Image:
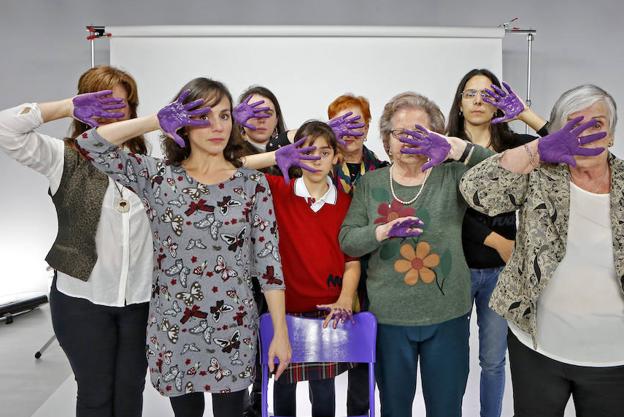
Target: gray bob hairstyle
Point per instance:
(579, 98)
(409, 100)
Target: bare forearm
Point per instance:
(521, 160)
(532, 119)
(350, 280)
(277, 307)
(55, 110)
(120, 132)
(259, 161)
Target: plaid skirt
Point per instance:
(312, 371)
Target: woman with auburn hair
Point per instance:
(356, 161)
(101, 256)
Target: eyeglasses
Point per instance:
(397, 133)
(473, 93)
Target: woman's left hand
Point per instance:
(339, 312)
(434, 146)
(506, 101)
(280, 349)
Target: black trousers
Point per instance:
(357, 390)
(322, 394)
(105, 347)
(230, 404)
(543, 386)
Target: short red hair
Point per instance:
(349, 100)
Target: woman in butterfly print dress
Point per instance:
(202, 328)
(99, 299)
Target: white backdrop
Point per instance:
(306, 66)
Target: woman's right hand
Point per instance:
(99, 105)
(174, 116)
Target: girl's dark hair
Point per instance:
(105, 77)
(501, 136)
(264, 92)
(312, 129)
(212, 92)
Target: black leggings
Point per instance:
(542, 386)
(105, 347)
(230, 404)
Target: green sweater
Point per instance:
(415, 281)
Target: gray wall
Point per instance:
(44, 50)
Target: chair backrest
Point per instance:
(310, 342)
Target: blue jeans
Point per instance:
(492, 342)
(442, 351)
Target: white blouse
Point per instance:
(123, 272)
(580, 313)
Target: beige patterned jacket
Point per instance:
(543, 200)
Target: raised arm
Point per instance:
(512, 107)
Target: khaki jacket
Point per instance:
(543, 200)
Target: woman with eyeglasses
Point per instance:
(408, 217)
(488, 241)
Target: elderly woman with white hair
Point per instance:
(409, 218)
(562, 292)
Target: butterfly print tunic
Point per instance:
(209, 241)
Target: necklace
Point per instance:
(121, 204)
(407, 203)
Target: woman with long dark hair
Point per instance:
(488, 241)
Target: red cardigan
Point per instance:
(312, 261)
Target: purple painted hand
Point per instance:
(432, 145)
(562, 145)
(407, 228)
(177, 115)
(293, 155)
(506, 101)
(89, 106)
(346, 125)
(338, 312)
(245, 111)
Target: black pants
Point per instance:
(542, 386)
(223, 405)
(105, 347)
(322, 396)
(357, 390)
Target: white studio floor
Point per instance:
(46, 388)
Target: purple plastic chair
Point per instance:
(310, 342)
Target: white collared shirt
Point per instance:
(330, 196)
(123, 271)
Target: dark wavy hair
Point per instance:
(312, 129)
(212, 92)
(501, 136)
(105, 77)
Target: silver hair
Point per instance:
(404, 101)
(579, 98)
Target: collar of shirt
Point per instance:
(329, 197)
(261, 147)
